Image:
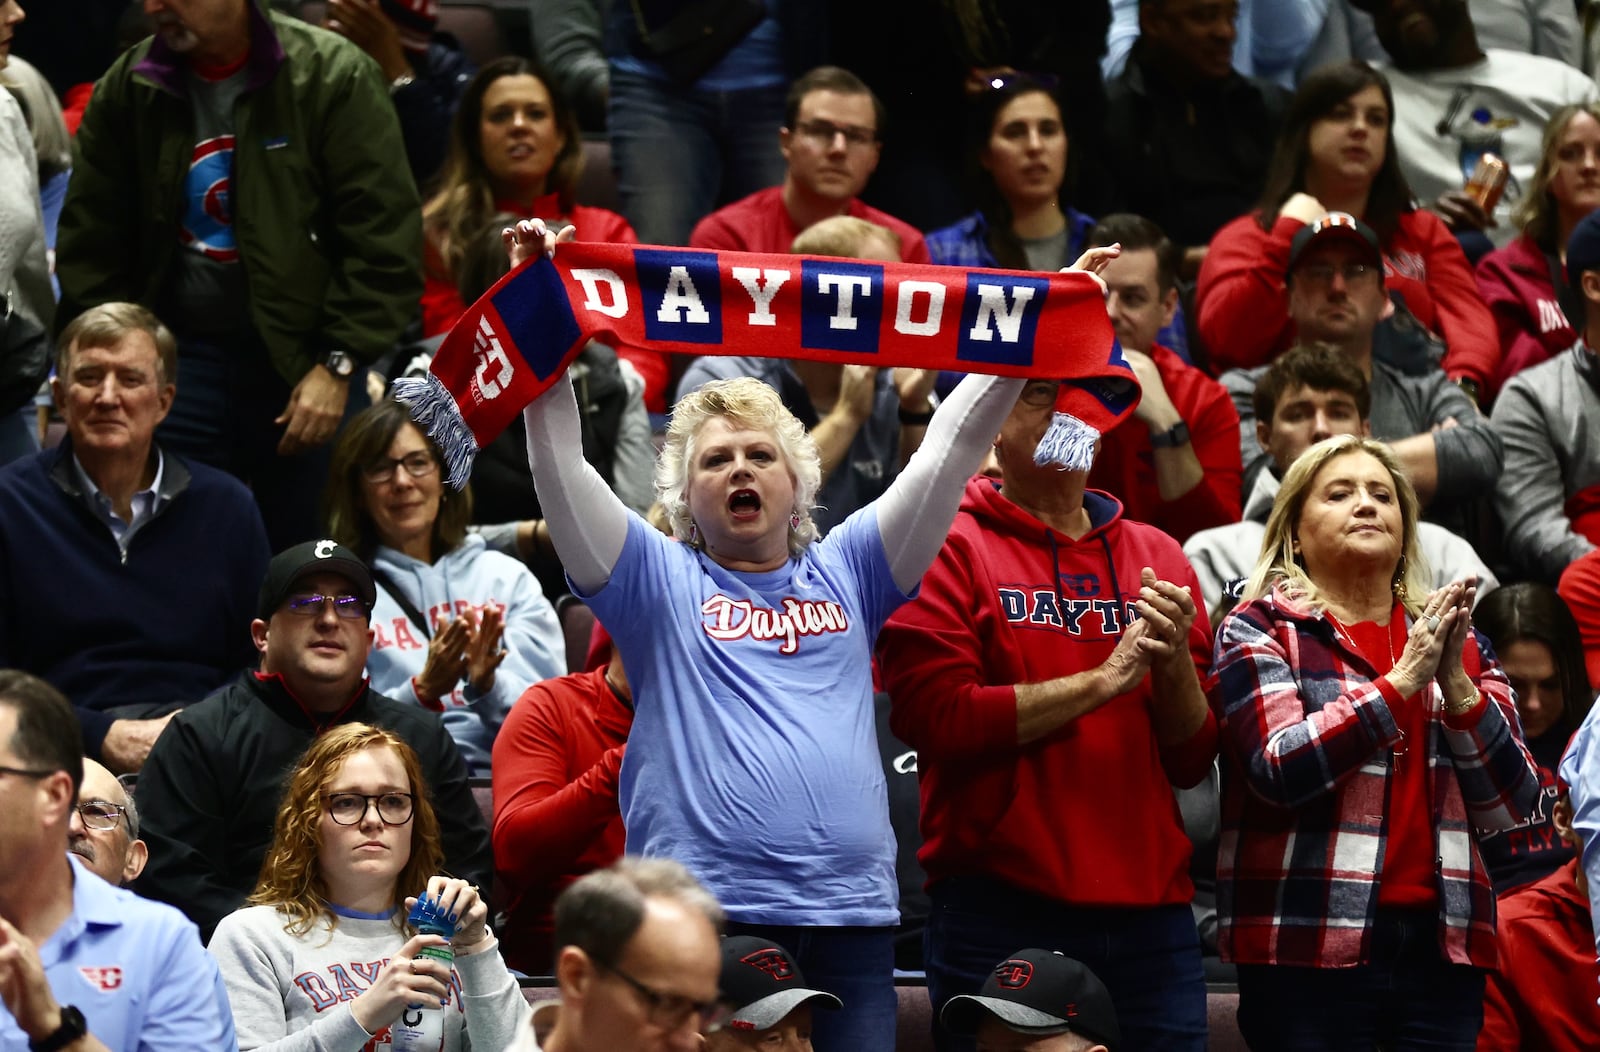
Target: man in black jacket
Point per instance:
(209, 791)
(1188, 138)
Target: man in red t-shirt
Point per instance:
(831, 139)
(1175, 462)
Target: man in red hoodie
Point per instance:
(1047, 676)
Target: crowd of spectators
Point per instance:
(1136, 698)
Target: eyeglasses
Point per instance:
(419, 465)
(670, 1011)
(20, 772)
(824, 133)
(1039, 394)
(349, 607)
(102, 815)
(1321, 274)
(348, 809)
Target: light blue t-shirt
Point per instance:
(753, 757)
(137, 972)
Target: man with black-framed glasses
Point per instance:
(210, 790)
(831, 139)
(638, 961)
(104, 828)
(84, 966)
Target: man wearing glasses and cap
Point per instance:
(1037, 1001)
(210, 789)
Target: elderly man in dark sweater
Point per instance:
(126, 573)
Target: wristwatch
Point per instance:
(1173, 437)
(340, 364)
(72, 1027)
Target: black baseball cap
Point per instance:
(1039, 992)
(291, 565)
(763, 983)
(1336, 226)
(1583, 249)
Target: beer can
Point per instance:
(1488, 181)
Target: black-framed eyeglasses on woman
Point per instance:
(348, 809)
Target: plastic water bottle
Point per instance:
(420, 1028)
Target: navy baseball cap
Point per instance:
(1583, 248)
(291, 565)
(1039, 992)
(1336, 226)
(762, 982)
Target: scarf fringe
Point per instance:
(1068, 442)
(434, 410)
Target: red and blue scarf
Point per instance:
(519, 338)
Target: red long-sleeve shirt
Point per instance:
(1125, 466)
(1243, 304)
(1541, 997)
(555, 802)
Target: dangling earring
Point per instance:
(694, 533)
(1399, 584)
(794, 520)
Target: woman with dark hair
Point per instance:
(1020, 158)
(1525, 283)
(457, 629)
(1366, 734)
(323, 956)
(1536, 639)
(1335, 154)
(514, 147)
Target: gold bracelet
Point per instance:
(1459, 707)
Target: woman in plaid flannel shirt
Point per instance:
(1365, 735)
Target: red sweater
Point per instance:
(1580, 587)
(761, 223)
(1125, 464)
(1086, 814)
(1515, 282)
(555, 802)
(1541, 998)
(441, 299)
(1244, 305)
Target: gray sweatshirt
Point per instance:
(292, 993)
(1548, 416)
(1469, 454)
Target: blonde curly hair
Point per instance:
(751, 404)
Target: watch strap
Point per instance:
(73, 1026)
(1173, 437)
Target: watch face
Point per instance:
(340, 364)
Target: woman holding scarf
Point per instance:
(748, 644)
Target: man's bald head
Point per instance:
(115, 854)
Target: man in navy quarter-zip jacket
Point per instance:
(127, 575)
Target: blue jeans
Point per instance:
(1406, 998)
(223, 416)
(679, 153)
(1149, 959)
(856, 965)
